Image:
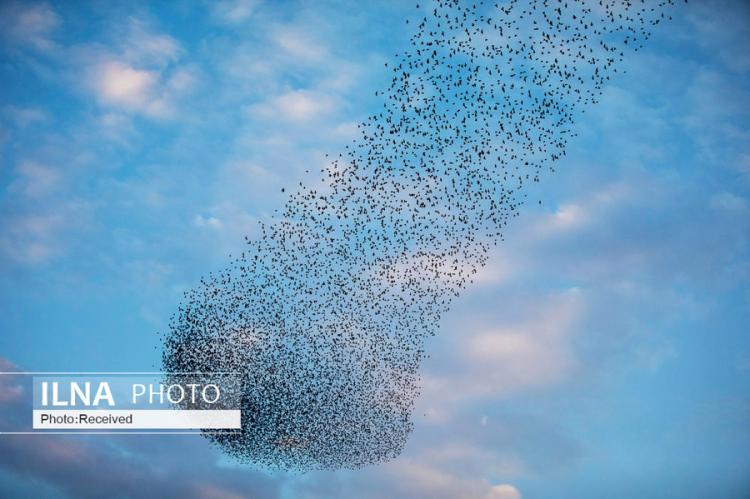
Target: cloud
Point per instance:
(233, 11)
(299, 44)
(215, 492)
(722, 27)
(38, 235)
(35, 179)
(297, 106)
(122, 85)
(26, 116)
(10, 390)
(488, 357)
(445, 463)
(498, 269)
(201, 221)
(411, 476)
(503, 491)
(130, 466)
(652, 357)
(141, 46)
(140, 72)
(133, 69)
(569, 215)
(225, 225)
(29, 25)
(88, 468)
(730, 202)
(150, 92)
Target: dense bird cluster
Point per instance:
(327, 312)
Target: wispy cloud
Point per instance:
(299, 44)
(504, 491)
(233, 11)
(489, 358)
(36, 237)
(297, 106)
(26, 116)
(29, 25)
(35, 179)
(125, 86)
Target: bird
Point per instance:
(326, 315)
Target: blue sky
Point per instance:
(604, 350)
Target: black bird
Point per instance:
(326, 314)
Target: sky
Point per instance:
(604, 349)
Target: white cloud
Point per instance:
(209, 221)
(33, 239)
(39, 229)
(301, 105)
(503, 491)
(728, 202)
(150, 92)
(30, 25)
(122, 85)
(233, 11)
(25, 116)
(583, 213)
(347, 129)
(35, 179)
(496, 360)
(295, 106)
(180, 80)
(721, 31)
(567, 218)
(141, 46)
(226, 223)
(140, 72)
(299, 44)
(568, 215)
(652, 357)
(497, 270)
(115, 126)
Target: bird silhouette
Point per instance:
(326, 313)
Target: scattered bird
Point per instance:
(326, 313)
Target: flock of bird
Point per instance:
(326, 313)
